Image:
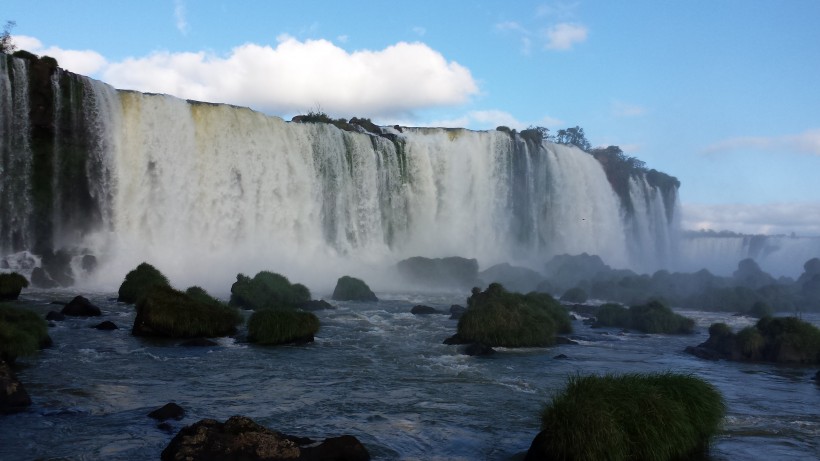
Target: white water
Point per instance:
(204, 191)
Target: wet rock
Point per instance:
(199, 342)
(13, 397)
(560, 357)
(704, 353)
(316, 305)
(89, 263)
(457, 311)
(168, 411)
(81, 307)
(40, 279)
(478, 349)
(240, 438)
(55, 316)
(423, 310)
(106, 326)
(454, 340)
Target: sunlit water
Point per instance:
(379, 373)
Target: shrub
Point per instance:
(750, 342)
(267, 290)
(654, 317)
(171, 313)
(720, 329)
(352, 289)
(22, 333)
(11, 285)
(140, 282)
(789, 339)
(575, 295)
(282, 326)
(612, 315)
(497, 317)
(200, 295)
(634, 416)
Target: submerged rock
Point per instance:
(106, 326)
(168, 411)
(478, 349)
(353, 289)
(423, 310)
(316, 305)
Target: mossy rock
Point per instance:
(282, 326)
(498, 318)
(773, 339)
(139, 282)
(662, 416)
(11, 285)
(652, 317)
(166, 312)
(352, 289)
(22, 333)
(267, 290)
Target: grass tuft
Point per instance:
(10, 286)
(663, 416)
(140, 282)
(652, 317)
(282, 326)
(267, 290)
(22, 333)
(171, 313)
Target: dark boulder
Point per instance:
(316, 305)
(560, 357)
(703, 353)
(478, 349)
(352, 289)
(168, 411)
(11, 285)
(40, 279)
(455, 340)
(13, 397)
(81, 307)
(457, 311)
(423, 310)
(106, 326)
(452, 272)
(199, 342)
(55, 316)
(240, 438)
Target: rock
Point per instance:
(89, 263)
(560, 357)
(478, 349)
(11, 284)
(106, 326)
(58, 267)
(81, 307)
(423, 310)
(168, 411)
(343, 448)
(563, 340)
(703, 353)
(13, 397)
(352, 289)
(316, 305)
(457, 311)
(199, 342)
(40, 279)
(240, 438)
(454, 340)
(452, 272)
(55, 316)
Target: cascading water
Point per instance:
(204, 191)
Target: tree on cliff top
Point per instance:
(6, 43)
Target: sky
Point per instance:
(722, 94)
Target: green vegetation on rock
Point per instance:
(772, 339)
(167, 312)
(352, 289)
(141, 281)
(267, 290)
(497, 317)
(652, 317)
(11, 285)
(630, 417)
(282, 326)
(22, 333)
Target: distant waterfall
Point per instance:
(204, 191)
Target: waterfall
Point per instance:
(204, 191)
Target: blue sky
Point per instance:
(725, 95)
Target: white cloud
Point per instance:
(84, 62)
(565, 35)
(492, 118)
(807, 142)
(774, 218)
(180, 17)
(623, 109)
(298, 75)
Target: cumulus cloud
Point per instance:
(807, 142)
(774, 218)
(84, 62)
(565, 35)
(299, 75)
